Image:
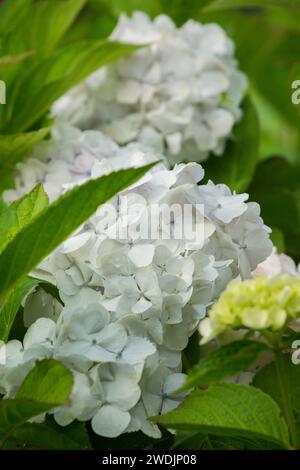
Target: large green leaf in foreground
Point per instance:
(13, 219)
(53, 225)
(55, 75)
(229, 410)
(48, 385)
(45, 23)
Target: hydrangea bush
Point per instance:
(140, 290)
(130, 304)
(180, 95)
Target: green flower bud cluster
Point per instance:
(258, 304)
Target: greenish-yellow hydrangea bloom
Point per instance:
(259, 303)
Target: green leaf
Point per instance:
(46, 386)
(7, 223)
(37, 25)
(224, 362)
(11, 303)
(200, 441)
(53, 225)
(236, 166)
(45, 23)
(32, 27)
(51, 436)
(10, 13)
(20, 213)
(230, 410)
(16, 217)
(283, 388)
(56, 75)
(30, 205)
(13, 148)
(49, 382)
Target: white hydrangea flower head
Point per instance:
(130, 303)
(180, 95)
(73, 157)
